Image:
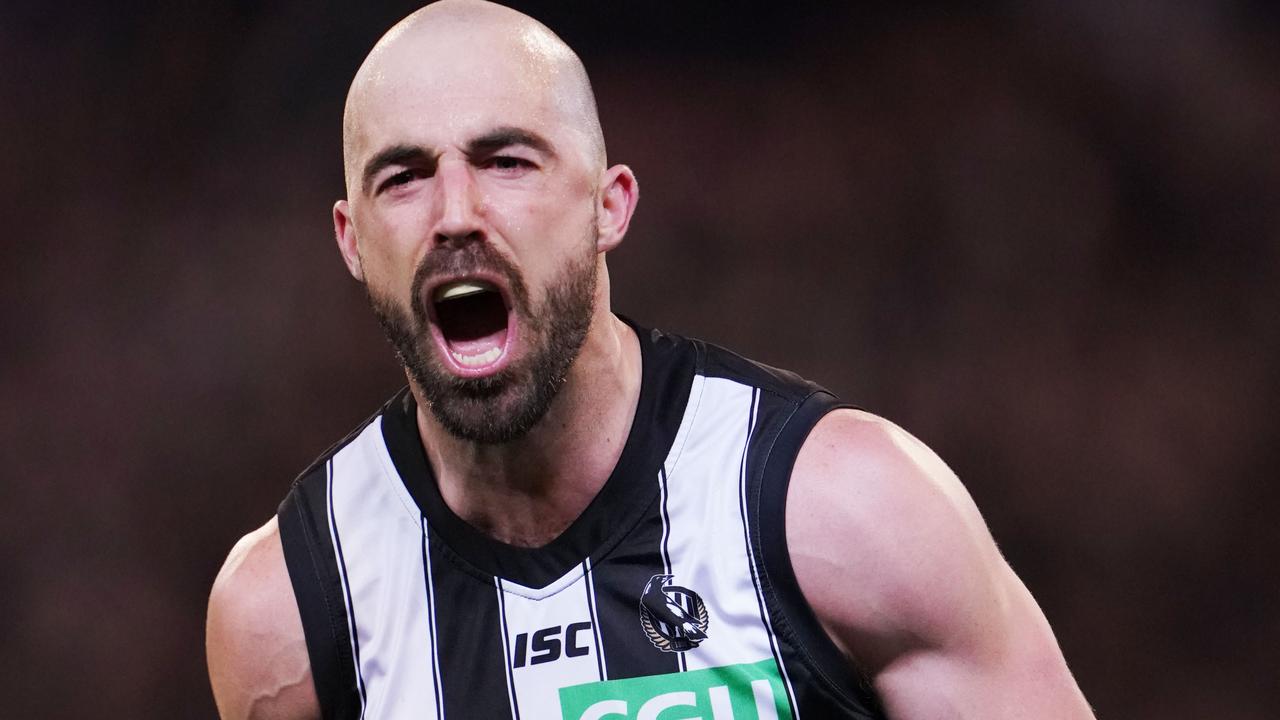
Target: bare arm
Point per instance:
(257, 655)
(900, 568)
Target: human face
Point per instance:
(474, 228)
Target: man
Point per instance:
(566, 516)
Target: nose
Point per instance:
(459, 206)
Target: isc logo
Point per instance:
(546, 645)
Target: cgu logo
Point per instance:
(719, 702)
(546, 645)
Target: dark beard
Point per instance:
(504, 406)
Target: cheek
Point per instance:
(388, 256)
(545, 238)
(552, 216)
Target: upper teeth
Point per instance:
(459, 289)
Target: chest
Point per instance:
(663, 610)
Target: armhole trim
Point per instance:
(794, 617)
(317, 588)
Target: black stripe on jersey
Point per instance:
(618, 582)
(346, 589)
(317, 588)
(666, 519)
(431, 621)
(595, 619)
(506, 643)
(751, 554)
(469, 643)
(805, 644)
(666, 555)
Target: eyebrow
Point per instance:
(507, 136)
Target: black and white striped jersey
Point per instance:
(671, 596)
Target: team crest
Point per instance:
(674, 617)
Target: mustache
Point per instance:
(465, 260)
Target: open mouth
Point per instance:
(474, 323)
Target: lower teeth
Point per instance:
(483, 358)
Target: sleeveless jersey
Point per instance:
(671, 596)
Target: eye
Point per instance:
(404, 177)
(509, 164)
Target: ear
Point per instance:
(344, 229)
(619, 194)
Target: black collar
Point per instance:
(667, 373)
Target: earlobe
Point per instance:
(619, 193)
(344, 231)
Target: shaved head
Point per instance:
(453, 48)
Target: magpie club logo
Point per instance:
(674, 617)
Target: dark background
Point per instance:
(1042, 236)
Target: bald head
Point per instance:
(455, 59)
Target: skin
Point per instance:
(939, 622)
(936, 618)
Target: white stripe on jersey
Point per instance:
(346, 587)
(708, 554)
(551, 641)
(380, 531)
(673, 458)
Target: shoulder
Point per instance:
(887, 545)
(900, 569)
(257, 654)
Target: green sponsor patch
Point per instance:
(750, 691)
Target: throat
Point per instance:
(534, 534)
(526, 493)
(516, 517)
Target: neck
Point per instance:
(528, 491)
